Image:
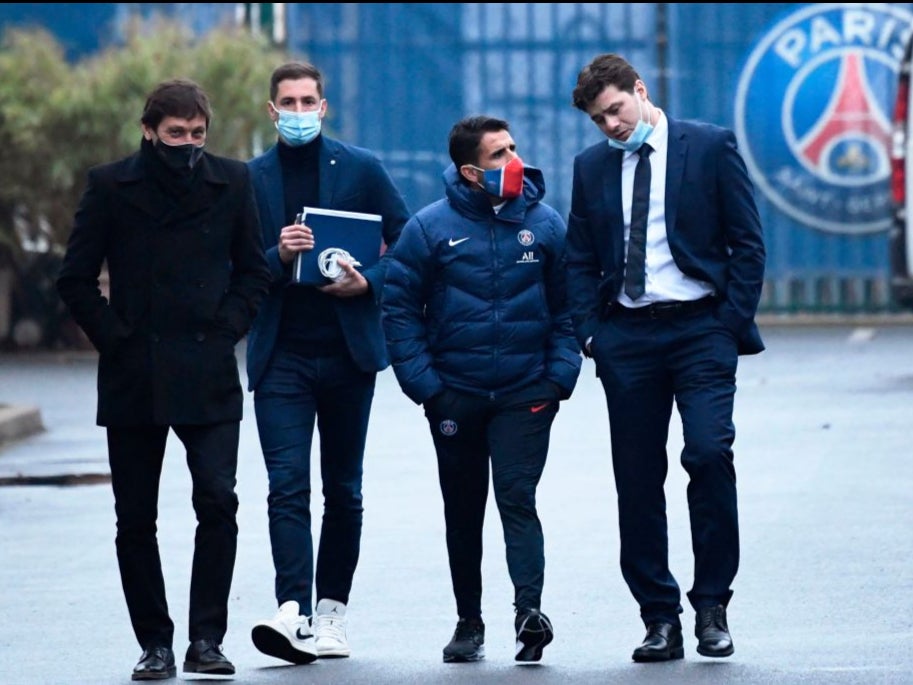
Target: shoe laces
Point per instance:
(326, 625)
(712, 616)
(468, 629)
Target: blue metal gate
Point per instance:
(399, 75)
(808, 88)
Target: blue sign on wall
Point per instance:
(813, 113)
(807, 87)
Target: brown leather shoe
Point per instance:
(663, 642)
(205, 656)
(712, 632)
(156, 663)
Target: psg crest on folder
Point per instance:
(354, 237)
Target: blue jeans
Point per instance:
(296, 391)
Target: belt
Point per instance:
(662, 310)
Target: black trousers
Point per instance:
(136, 454)
(646, 366)
(511, 434)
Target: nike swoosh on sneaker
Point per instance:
(536, 408)
(302, 637)
(453, 242)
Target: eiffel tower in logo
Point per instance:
(850, 126)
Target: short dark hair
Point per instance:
(294, 71)
(466, 135)
(181, 98)
(604, 71)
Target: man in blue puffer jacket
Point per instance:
(478, 330)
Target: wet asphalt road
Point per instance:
(824, 595)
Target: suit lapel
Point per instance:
(212, 181)
(675, 169)
(614, 214)
(270, 179)
(135, 188)
(329, 172)
(612, 188)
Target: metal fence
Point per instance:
(399, 75)
(808, 88)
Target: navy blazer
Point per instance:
(712, 223)
(351, 179)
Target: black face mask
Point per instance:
(179, 157)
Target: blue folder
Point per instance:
(357, 233)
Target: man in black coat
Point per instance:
(178, 231)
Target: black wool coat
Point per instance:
(187, 273)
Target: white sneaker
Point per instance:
(330, 629)
(286, 636)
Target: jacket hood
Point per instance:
(475, 203)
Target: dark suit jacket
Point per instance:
(351, 179)
(185, 282)
(712, 223)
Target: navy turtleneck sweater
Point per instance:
(309, 324)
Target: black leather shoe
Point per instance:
(156, 663)
(712, 632)
(205, 656)
(663, 642)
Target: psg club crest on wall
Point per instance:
(813, 113)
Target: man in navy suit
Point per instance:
(313, 354)
(667, 330)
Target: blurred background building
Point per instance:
(808, 88)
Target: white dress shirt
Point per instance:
(664, 281)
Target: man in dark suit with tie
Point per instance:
(665, 269)
(313, 355)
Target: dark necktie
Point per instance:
(635, 267)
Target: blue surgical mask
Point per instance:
(641, 132)
(298, 128)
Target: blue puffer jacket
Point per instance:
(476, 301)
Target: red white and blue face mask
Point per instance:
(506, 182)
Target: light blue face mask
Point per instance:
(641, 132)
(298, 128)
